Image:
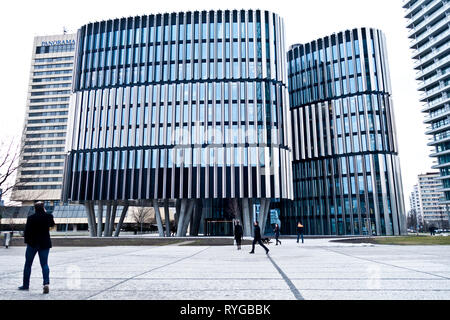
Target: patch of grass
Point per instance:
(413, 240)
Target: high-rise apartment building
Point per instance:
(427, 200)
(346, 168)
(41, 167)
(414, 203)
(429, 31)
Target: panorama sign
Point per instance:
(57, 42)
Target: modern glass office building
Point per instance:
(41, 165)
(346, 169)
(190, 107)
(429, 31)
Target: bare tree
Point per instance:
(9, 163)
(2, 213)
(142, 216)
(412, 219)
(12, 159)
(232, 210)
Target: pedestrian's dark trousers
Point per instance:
(260, 243)
(299, 235)
(43, 259)
(238, 242)
(276, 238)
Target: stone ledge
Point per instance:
(133, 241)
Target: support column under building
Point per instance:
(177, 210)
(167, 217)
(107, 219)
(113, 220)
(262, 207)
(181, 214)
(188, 216)
(91, 222)
(99, 219)
(264, 213)
(196, 219)
(246, 218)
(94, 223)
(122, 217)
(184, 219)
(158, 218)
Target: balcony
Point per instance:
(439, 138)
(436, 103)
(429, 19)
(440, 166)
(430, 56)
(427, 70)
(434, 92)
(434, 79)
(430, 31)
(432, 42)
(438, 114)
(442, 127)
(414, 7)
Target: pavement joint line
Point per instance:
(173, 290)
(381, 290)
(388, 264)
(148, 271)
(291, 286)
(85, 259)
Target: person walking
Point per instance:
(37, 238)
(257, 238)
(299, 231)
(7, 238)
(238, 234)
(277, 233)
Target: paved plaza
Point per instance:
(318, 269)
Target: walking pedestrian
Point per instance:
(7, 239)
(37, 238)
(257, 238)
(299, 231)
(277, 233)
(173, 230)
(238, 233)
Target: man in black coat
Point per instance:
(37, 238)
(257, 238)
(238, 233)
(299, 231)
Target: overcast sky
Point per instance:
(305, 20)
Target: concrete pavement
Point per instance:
(318, 269)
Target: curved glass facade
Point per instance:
(180, 106)
(346, 169)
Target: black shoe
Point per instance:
(46, 289)
(22, 288)
(251, 252)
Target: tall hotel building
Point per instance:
(429, 31)
(43, 140)
(346, 169)
(188, 107)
